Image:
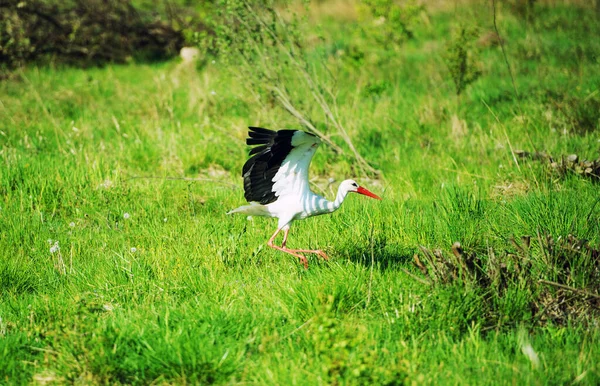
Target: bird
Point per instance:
(276, 183)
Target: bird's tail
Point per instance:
(254, 209)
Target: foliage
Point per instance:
(89, 32)
(118, 264)
(273, 57)
(573, 297)
(462, 58)
(389, 22)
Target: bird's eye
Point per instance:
(355, 185)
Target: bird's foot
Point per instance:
(300, 257)
(322, 254)
(315, 251)
(304, 261)
(292, 252)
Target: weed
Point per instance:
(462, 58)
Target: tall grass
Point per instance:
(118, 264)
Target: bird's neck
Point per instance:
(339, 198)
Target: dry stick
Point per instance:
(284, 100)
(282, 97)
(576, 290)
(512, 78)
(318, 97)
(325, 107)
(406, 271)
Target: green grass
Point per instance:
(178, 292)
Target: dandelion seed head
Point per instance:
(530, 353)
(133, 249)
(54, 248)
(72, 224)
(106, 184)
(126, 215)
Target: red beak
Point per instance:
(365, 192)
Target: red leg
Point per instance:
(284, 249)
(316, 251)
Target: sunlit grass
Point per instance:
(119, 264)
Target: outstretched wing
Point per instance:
(279, 164)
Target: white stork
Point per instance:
(276, 183)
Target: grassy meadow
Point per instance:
(118, 263)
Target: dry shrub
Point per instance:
(565, 165)
(561, 276)
(89, 32)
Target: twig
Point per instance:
(284, 100)
(421, 280)
(281, 96)
(576, 290)
(512, 78)
(312, 86)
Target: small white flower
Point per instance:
(213, 62)
(54, 248)
(249, 218)
(133, 249)
(165, 219)
(72, 224)
(126, 215)
(106, 184)
(213, 92)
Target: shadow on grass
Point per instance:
(381, 256)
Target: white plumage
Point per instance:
(276, 183)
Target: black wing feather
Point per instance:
(259, 170)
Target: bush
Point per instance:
(89, 32)
(462, 58)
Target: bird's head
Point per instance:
(352, 186)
